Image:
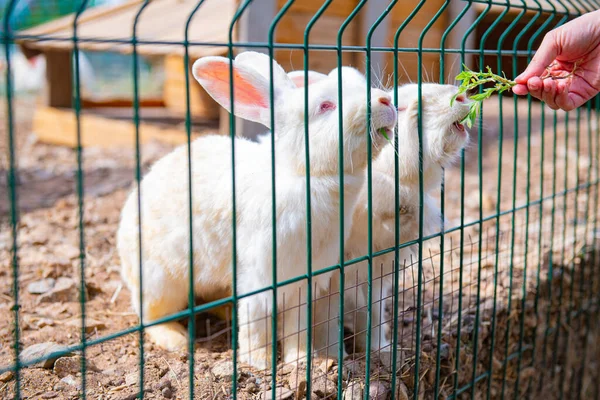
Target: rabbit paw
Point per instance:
(170, 336)
(258, 358)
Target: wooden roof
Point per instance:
(161, 21)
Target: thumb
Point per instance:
(543, 57)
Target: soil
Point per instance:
(533, 327)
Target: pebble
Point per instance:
(7, 376)
(401, 390)
(91, 325)
(281, 393)
(444, 351)
(49, 395)
(71, 381)
(354, 391)
(223, 370)
(379, 390)
(41, 350)
(42, 286)
(167, 392)
(64, 290)
(71, 365)
(323, 387)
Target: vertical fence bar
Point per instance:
(188, 132)
(12, 190)
(550, 274)
(234, 322)
(271, 50)
(534, 37)
(309, 267)
(467, 33)
(80, 191)
(498, 200)
(368, 41)
(421, 213)
(591, 260)
(138, 178)
(460, 279)
(527, 211)
(513, 202)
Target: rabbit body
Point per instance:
(165, 211)
(442, 141)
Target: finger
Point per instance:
(543, 57)
(535, 86)
(549, 93)
(563, 100)
(520, 89)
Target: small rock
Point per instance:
(379, 390)
(251, 388)
(42, 286)
(67, 250)
(91, 325)
(223, 370)
(297, 380)
(167, 392)
(7, 376)
(131, 379)
(323, 387)
(326, 365)
(164, 383)
(49, 395)
(41, 350)
(281, 393)
(354, 391)
(288, 368)
(71, 366)
(43, 322)
(444, 351)
(401, 391)
(64, 290)
(71, 381)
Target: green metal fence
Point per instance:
(506, 305)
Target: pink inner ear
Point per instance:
(401, 108)
(216, 77)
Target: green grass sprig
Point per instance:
(471, 80)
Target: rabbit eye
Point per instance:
(326, 106)
(403, 210)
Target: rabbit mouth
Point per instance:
(459, 128)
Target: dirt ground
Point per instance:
(533, 326)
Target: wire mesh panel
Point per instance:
(361, 243)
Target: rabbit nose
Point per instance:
(385, 100)
(461, 98)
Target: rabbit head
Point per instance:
(443, 136)
(252, 101)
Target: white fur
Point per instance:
(165, 217)
(441, 143)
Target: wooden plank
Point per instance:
(120, 103)
(340, 8)
(59, 78)
(324, 32)
(58, 126)
(174, 90)
(162, 22)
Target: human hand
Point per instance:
(565, 71)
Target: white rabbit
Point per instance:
(165, 217)
(442, 139)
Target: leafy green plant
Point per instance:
(471, 80)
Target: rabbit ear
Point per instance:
(298, 77)
(260, 63)
(349, 74)
(251, 96)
